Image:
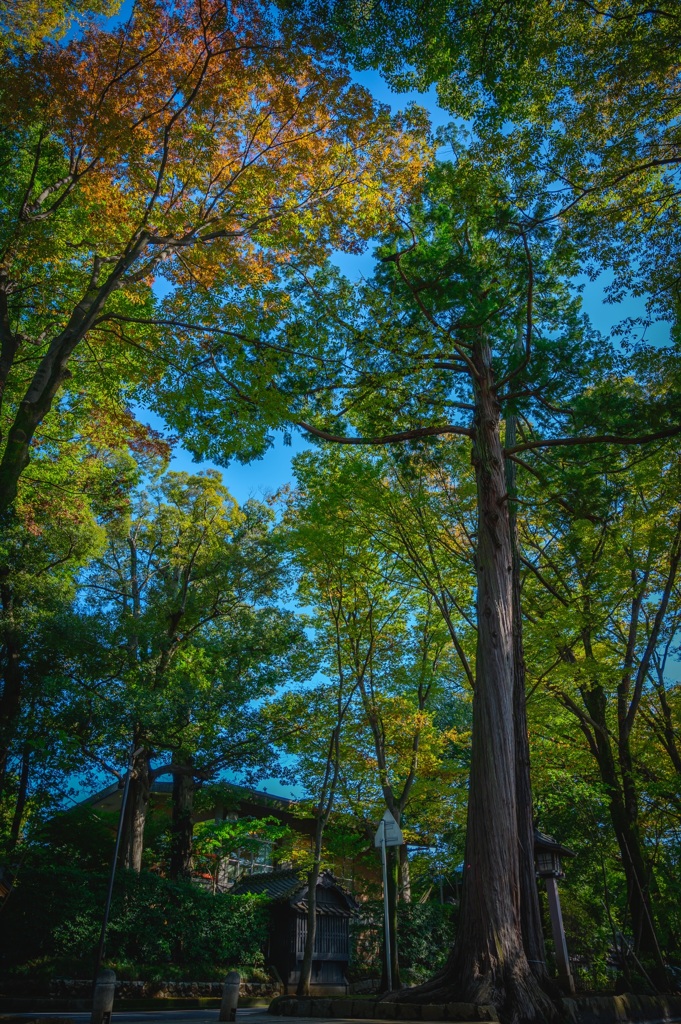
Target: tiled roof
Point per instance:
(543, 841)
(166, 788)
(278, 885)
(291, 885)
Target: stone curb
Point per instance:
(624, 1009)
(377, 1009)
(629, 1008)
(79, 988)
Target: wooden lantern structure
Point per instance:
(548, 856)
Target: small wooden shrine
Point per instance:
(288, 928)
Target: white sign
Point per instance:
(390, 831)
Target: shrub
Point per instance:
(158, 929)
(425, 935)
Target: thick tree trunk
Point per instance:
(182, 827)
(132, 845)
(488, 963)
(530, 913)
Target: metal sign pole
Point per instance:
(388, 963)
(387, 834)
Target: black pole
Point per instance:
(114, 862)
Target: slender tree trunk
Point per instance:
(670, 738)
(136, 813)
(488, 963)
(324, 808)
(398, 863)
(10, 699)
(22, 794)
(530, 912)
(637, 870)
(638, 874)
(306, 967)
(405, 875)
(182, 827)
(53, 371)
(667, 732)
(393, 891)
(623, 806)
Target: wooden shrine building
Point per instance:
(288, 928)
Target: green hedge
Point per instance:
(158, 929)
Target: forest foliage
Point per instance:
(465, 606)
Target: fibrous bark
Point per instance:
(489, 963)
(530, 914)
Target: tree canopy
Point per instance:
(464, 607)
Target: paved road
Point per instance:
(247, 1015)
(256, 1015)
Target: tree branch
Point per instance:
(566, 442)
(404, 435)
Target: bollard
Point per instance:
(230, 996)
(103, 998)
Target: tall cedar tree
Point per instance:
(431, 348)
